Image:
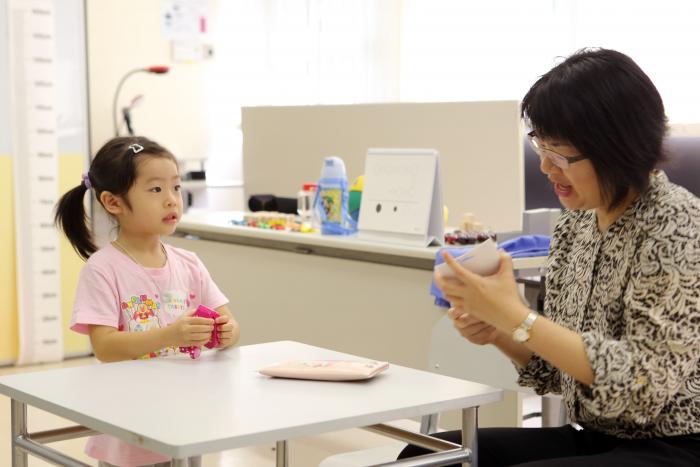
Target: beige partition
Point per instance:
(480, 145)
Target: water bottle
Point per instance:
(305, 199)
(331, 200)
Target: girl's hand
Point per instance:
(191, 330)
(228, 332)
(492, 299)
(473, 329)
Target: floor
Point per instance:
(303, 452)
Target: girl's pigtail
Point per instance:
(72, 219)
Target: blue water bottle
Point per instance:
(331, 201)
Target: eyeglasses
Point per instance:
(560, 160)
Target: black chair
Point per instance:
(538, 190)
(683, 165)
(682, 168)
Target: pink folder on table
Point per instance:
(326, 370)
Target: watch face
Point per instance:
(521, 335)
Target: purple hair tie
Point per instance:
(86, 180)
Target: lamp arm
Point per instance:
(127, 120)
(115, 118)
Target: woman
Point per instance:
(619, 337)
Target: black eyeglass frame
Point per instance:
(560, 160)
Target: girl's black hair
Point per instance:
(114, 170)
(601, 102)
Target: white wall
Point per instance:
(126, 34)
(685, 129)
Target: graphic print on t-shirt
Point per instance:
(142, 313)
(175, 303)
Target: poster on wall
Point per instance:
(32, 58)
(185, 23)
(183, 19)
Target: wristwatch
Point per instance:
(522, 333)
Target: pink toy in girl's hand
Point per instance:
(204, 312)
(193, 350)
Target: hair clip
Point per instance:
(86, 180)
(137, 148)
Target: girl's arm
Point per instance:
(111, 345)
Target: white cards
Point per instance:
(402, 197)
(483, 259)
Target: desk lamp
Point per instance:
(158, 70)
(126, 113)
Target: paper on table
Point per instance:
(483, 259)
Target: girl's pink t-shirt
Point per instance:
(115, 291)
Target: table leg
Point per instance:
(19, 428)
(470, 423)
(428, 423)
(282, 454)
(553, 414)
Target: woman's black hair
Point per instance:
(114, 170)
(603, 104)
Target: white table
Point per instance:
(354, 296)
(220, 402)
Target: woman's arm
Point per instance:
(561, 347)
(480, 333)
(655, 360)
(498, 294)
(517, 352)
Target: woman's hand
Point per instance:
(190, 330)
(473, 329)
(493, 299)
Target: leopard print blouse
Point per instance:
(633, 294)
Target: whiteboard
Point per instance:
(402, 197)
(398, 199)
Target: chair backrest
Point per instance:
(683, 165)
(682, 168)
(538, 191)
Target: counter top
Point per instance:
(217, 226)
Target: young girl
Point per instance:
(136, 295)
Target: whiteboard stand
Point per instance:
(402, 197)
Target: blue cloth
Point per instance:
(524, 246)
